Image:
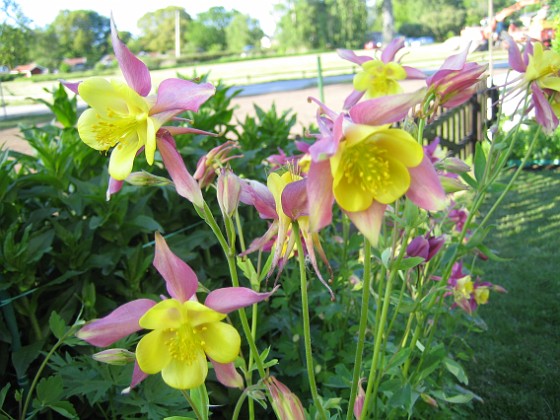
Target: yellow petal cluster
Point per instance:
(119, 119)
(544, 68)
(379, 79)
(372, 164)
(182, 335)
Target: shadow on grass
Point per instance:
(517, 361)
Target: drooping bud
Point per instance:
(359, 402)
(286, 404)
(209, 163)
(229, 190)
(452, 185)
(418, 247)
(144, 178)
(116, 357)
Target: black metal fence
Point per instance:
(460, 128)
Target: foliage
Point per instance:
(546, 150)
(153, 37)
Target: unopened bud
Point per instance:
(116, 357)
(452, 185)
(144, 178)
(285, 403)
(229, 189)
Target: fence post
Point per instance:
(320, 79)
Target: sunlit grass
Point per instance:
(517, 366)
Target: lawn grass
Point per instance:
(517, 365)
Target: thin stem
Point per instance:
(306, 323)
(238, 405)
(193, 406)
(361, 329)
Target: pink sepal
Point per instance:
(137, 377)
(425, 187)
(385, 109)
(135, 72)
(185, 184)
(229, 299)
(320, 195)
(544, 114)
(352, 57)
(118, 324)
(227, 375)
(368, 221)
(73, 86)
(391, 49)
(294, 199)
(178, 95)
(113, 187)
(180, 279)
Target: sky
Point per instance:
(127, 12)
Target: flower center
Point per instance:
(115, 127)
(366, 166)
(184, 343)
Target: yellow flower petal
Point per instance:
(199, 314)
(89, 135)
(152, 353)
(221, 342)
(104, 95)
(122, 158)
(148, 137)
(350, 196)
(168, 313)
(394, 71)
(400, 145)
(362, 80)
(186, 375)
(398, 184)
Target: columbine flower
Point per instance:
(124, 117)
(283, 199)
(468, 294)
(455, 82)
(184, 332)
(208, 165)
(364, 165)
(378, 77)
(540, 71)
(425, 246)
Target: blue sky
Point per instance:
(43, 12)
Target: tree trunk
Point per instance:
(388, 21)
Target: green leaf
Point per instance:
(64, 408)
(491, 254)
(457, 370)
(25, 356)
(57, 325)
(248, 270)
(459, 399)
(49, 390)
(3, 394)
(469, 180)
(407, 263)
(179, 418)
(479, 162)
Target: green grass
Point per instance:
(517, 365)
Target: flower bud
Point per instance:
(359, 402)
(229, 189)
(452, 185)
(418, 247)
(286, 404)
(116, 357)
(147, 179)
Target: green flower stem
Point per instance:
(361, 329)
(306, 323)
(43, 365)
(192, 404)
(238, 405)
(373, 378)
(229, 251)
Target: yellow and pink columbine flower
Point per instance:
(183, 333)
(125, 118)
(378, 76)
(364, 164)
(540, 72)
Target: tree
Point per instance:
(158, 28)
(243, 31)
(208, 32)
(388, 21)
(14, 35)
(82, 33)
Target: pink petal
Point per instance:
(134, 71)
(514, 56)
(353, 99)
(229, 299)
(73, 86)
(258, 195)
(187, 130)
(180, 279)
(425, 187)
(137, 377)
(177, 95)
(118, 324)
(320, 195)
(413, 73)
(368, 221)
(385, 109)
(113, 187)
(544, 114)
(294, 199)
(352, 57)
(391, 49)
(325, 109)
(185, 184)
(227, 375)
